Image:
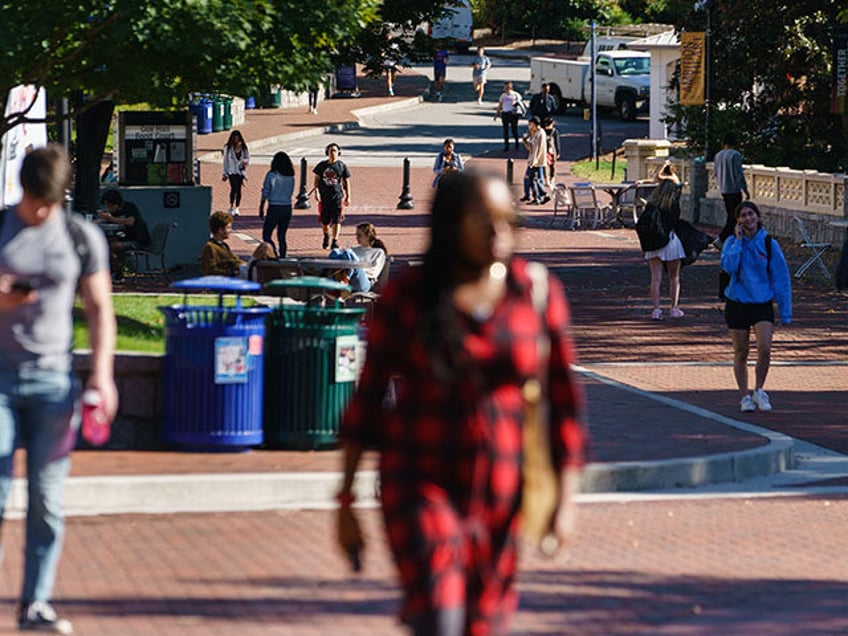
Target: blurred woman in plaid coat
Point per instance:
(462, 335)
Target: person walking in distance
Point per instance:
(727, 166)
(236, 160)
(552, 135)
(332, 192)
(480, 65)
(542, 104)
(440, 71)
(313, 99)
(277, 190)
(666, 200)
(462, 332)
(45, 258)
(510, 109)
(758, 276)
(447, 161)
(535, 178)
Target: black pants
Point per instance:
(731, 201)
(236, 180)
(509, 120)
(279, 217)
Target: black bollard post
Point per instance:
(509, 169)
(302, 202)
(405, 202)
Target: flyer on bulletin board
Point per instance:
(346, 362)
(230, 360)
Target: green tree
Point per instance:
(399, 34)
(771, 82)
(159, 51)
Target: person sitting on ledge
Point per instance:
(217, 259)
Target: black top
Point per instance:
(137, 232)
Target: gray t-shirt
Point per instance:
(40, 334)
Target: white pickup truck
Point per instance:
(623, 80)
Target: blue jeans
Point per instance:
(37, 412)
(534, 181)
(277, 216)
(358, 280)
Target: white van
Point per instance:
(456, 26)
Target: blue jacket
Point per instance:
(752, 278)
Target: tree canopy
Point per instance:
(159, 51)
(771, 82)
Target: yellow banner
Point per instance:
(692, 51)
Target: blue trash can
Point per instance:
(249, 103)
(202, 110)
(213, 369)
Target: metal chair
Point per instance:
(562, 201)
(156, 249)
(631, 202)
(816, 248)
(584, 202)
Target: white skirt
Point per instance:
(672, 251)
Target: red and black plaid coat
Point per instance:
(451, 455)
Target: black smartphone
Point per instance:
(22, 286)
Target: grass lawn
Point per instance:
(586, 170)
(141, 326)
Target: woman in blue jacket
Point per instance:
(758, 276)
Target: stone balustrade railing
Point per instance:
(780, 193)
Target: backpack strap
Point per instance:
(78, 238)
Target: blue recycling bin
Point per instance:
(213, 368)
(202, 110)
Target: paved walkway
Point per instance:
(750, 561)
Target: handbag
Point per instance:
(540, 488)
(694, 241)
(650, 229)
(519, 108)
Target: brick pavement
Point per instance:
(685, 566)
(727, 567)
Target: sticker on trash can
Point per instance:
(346, 361)
(230, 360)
(255, 345)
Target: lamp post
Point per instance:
(707, 5)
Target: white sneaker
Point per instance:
(761, 399)
(39, 616)
(236, 212)
(747, 404)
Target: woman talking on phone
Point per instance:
(758, 276)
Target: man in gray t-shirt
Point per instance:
(727, 166)
(40, 271)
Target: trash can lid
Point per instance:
(311, 282)
(217, 283)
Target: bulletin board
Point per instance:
(156, 148)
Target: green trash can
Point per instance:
(217, 115)
(228, 113)
(312, 358)
(273, 98)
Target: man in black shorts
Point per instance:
(332, 191)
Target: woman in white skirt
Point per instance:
(666, 197)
